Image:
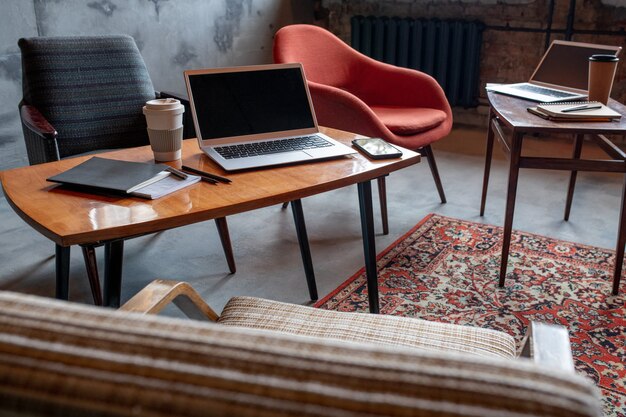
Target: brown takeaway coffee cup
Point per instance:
(601, 73)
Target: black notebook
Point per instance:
(112, 175)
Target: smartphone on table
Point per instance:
(377, 148)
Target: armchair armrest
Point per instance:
(379, 83)
(40, 136)
(189, 130)
(36, 122)
(548, 345)
(341, 109)
(159, 293)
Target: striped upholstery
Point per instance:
(397, 331)
(58, 358)
(90, 88)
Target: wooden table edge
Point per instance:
(120, 232)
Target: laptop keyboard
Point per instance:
(545, 91)
(245, 150)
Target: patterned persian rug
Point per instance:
(446, 269)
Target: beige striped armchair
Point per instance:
(265, 358)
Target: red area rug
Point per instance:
(446, 269)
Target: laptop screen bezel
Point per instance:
(611, 50)
(256, 136)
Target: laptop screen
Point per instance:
(250, 102)
(567, 64)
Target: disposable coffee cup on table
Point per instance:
(165, 128)
(601, 73)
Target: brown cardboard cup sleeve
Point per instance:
(166, 144)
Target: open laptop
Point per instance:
(256, 116)
(561, 74)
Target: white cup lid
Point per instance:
(163, 104)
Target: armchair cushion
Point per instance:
(388, 330)
(59, 358)
(409, 121)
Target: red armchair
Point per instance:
(353, 92)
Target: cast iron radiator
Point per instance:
(448, 50)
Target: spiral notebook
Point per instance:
(575, 111)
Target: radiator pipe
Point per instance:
(507, 28)
(549, 24)
(569, 30)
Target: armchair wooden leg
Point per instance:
(428, 152)
(159, 293)
(382, 197)
(89, 254)
(222, 229)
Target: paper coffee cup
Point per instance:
(601, 73)
(164, 118)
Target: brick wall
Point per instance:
(507, 56)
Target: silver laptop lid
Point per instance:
(565, 65)
(250, 103)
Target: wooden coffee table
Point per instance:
(509, 121)
(75, 218)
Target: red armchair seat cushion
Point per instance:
(404, 121)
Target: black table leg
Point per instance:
(62, 272)
(382, 198)
(113, 259)
(621, 241)
(222, 230)
(578, 146)
(516, 150)
(305, 250)
(488, 155)
(369, 243)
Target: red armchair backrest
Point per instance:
(348, 87)
(326, 58)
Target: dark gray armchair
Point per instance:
(86, 93)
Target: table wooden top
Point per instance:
(71, 217)
(512, 112)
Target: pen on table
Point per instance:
(583, 107)
(184, 176)
(177, 173)
(206, 174)
(207, 179)
(203, 177)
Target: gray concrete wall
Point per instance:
(172, 35)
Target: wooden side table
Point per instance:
(509, 121)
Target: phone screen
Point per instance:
(377, 146)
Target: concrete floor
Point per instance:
(265, 245)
